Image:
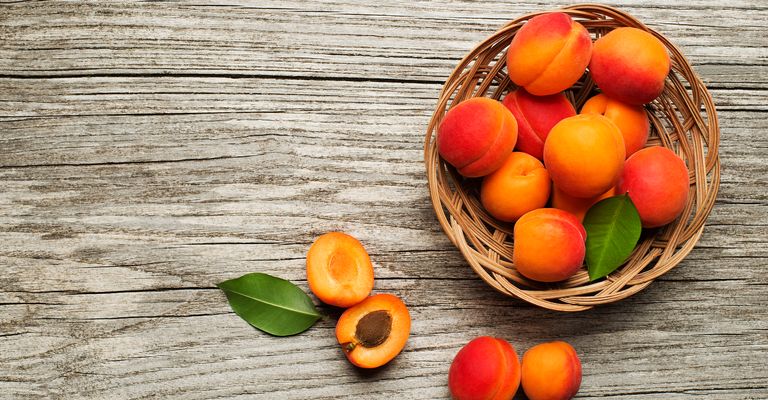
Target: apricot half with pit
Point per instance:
(374, 331)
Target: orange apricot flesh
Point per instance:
(374, 331)
(339, 271)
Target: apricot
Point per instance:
(551, 371)
(584, 155)
(549, 54)
(374, 331)
(656, 180)
(486, 368)
(631, 120)
(536, 115)
(520, 185)
(577, 206)
(630, 65)
(476, 136)
(549, 245)
(339, 271)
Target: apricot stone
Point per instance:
(520, 185)
(486, 368)
(656, 180)
(549, 245)
(536, 115)
(584, 155)
(549, 54)
(374, 331)
(551, 371)
(631, 120)
(476, 136)
(630, 65)
(339, 271)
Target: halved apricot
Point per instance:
(374, 331)
(339, 271)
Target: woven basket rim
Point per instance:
(683, 119)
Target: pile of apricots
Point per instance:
(487, 368)
(373, 329)
(543, 165)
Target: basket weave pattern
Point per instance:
(683, 119)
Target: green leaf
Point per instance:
(271, 304)
(613, 229)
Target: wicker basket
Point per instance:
(683, 119)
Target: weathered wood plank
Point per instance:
(398, 41)
(152, 150)
(161, 343)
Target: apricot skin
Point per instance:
(549, 245)
(551, 371)
(656, 180)
(339, 271)
(476, 136)
(576, 205)
(584, 155)
(549, 54)
(536, 115)
(630, 65)
(486, 368)
(520, 185)
(373, 357)
(631, 120)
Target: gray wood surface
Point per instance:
(151, 150)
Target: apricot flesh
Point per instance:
(339, 270)
(486, 368)
(551, 371)
(476, 136)
(520, 185)
(374, 331)
(536, 115)
(549, 245)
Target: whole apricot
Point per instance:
(339, 271)
(374, 331)
(476, 136)
(549, 245)
(584, 155)
(631, 120)
(551, 371)
(520, 185)
(577, 206)
(549, 54)
(486, 368)
(536, 115)
(656, 180)
(630, 65)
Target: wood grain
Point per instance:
(151, 150)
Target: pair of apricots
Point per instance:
(488, 368)
(533, 150)
(373, 329)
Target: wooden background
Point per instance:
(151, 150)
